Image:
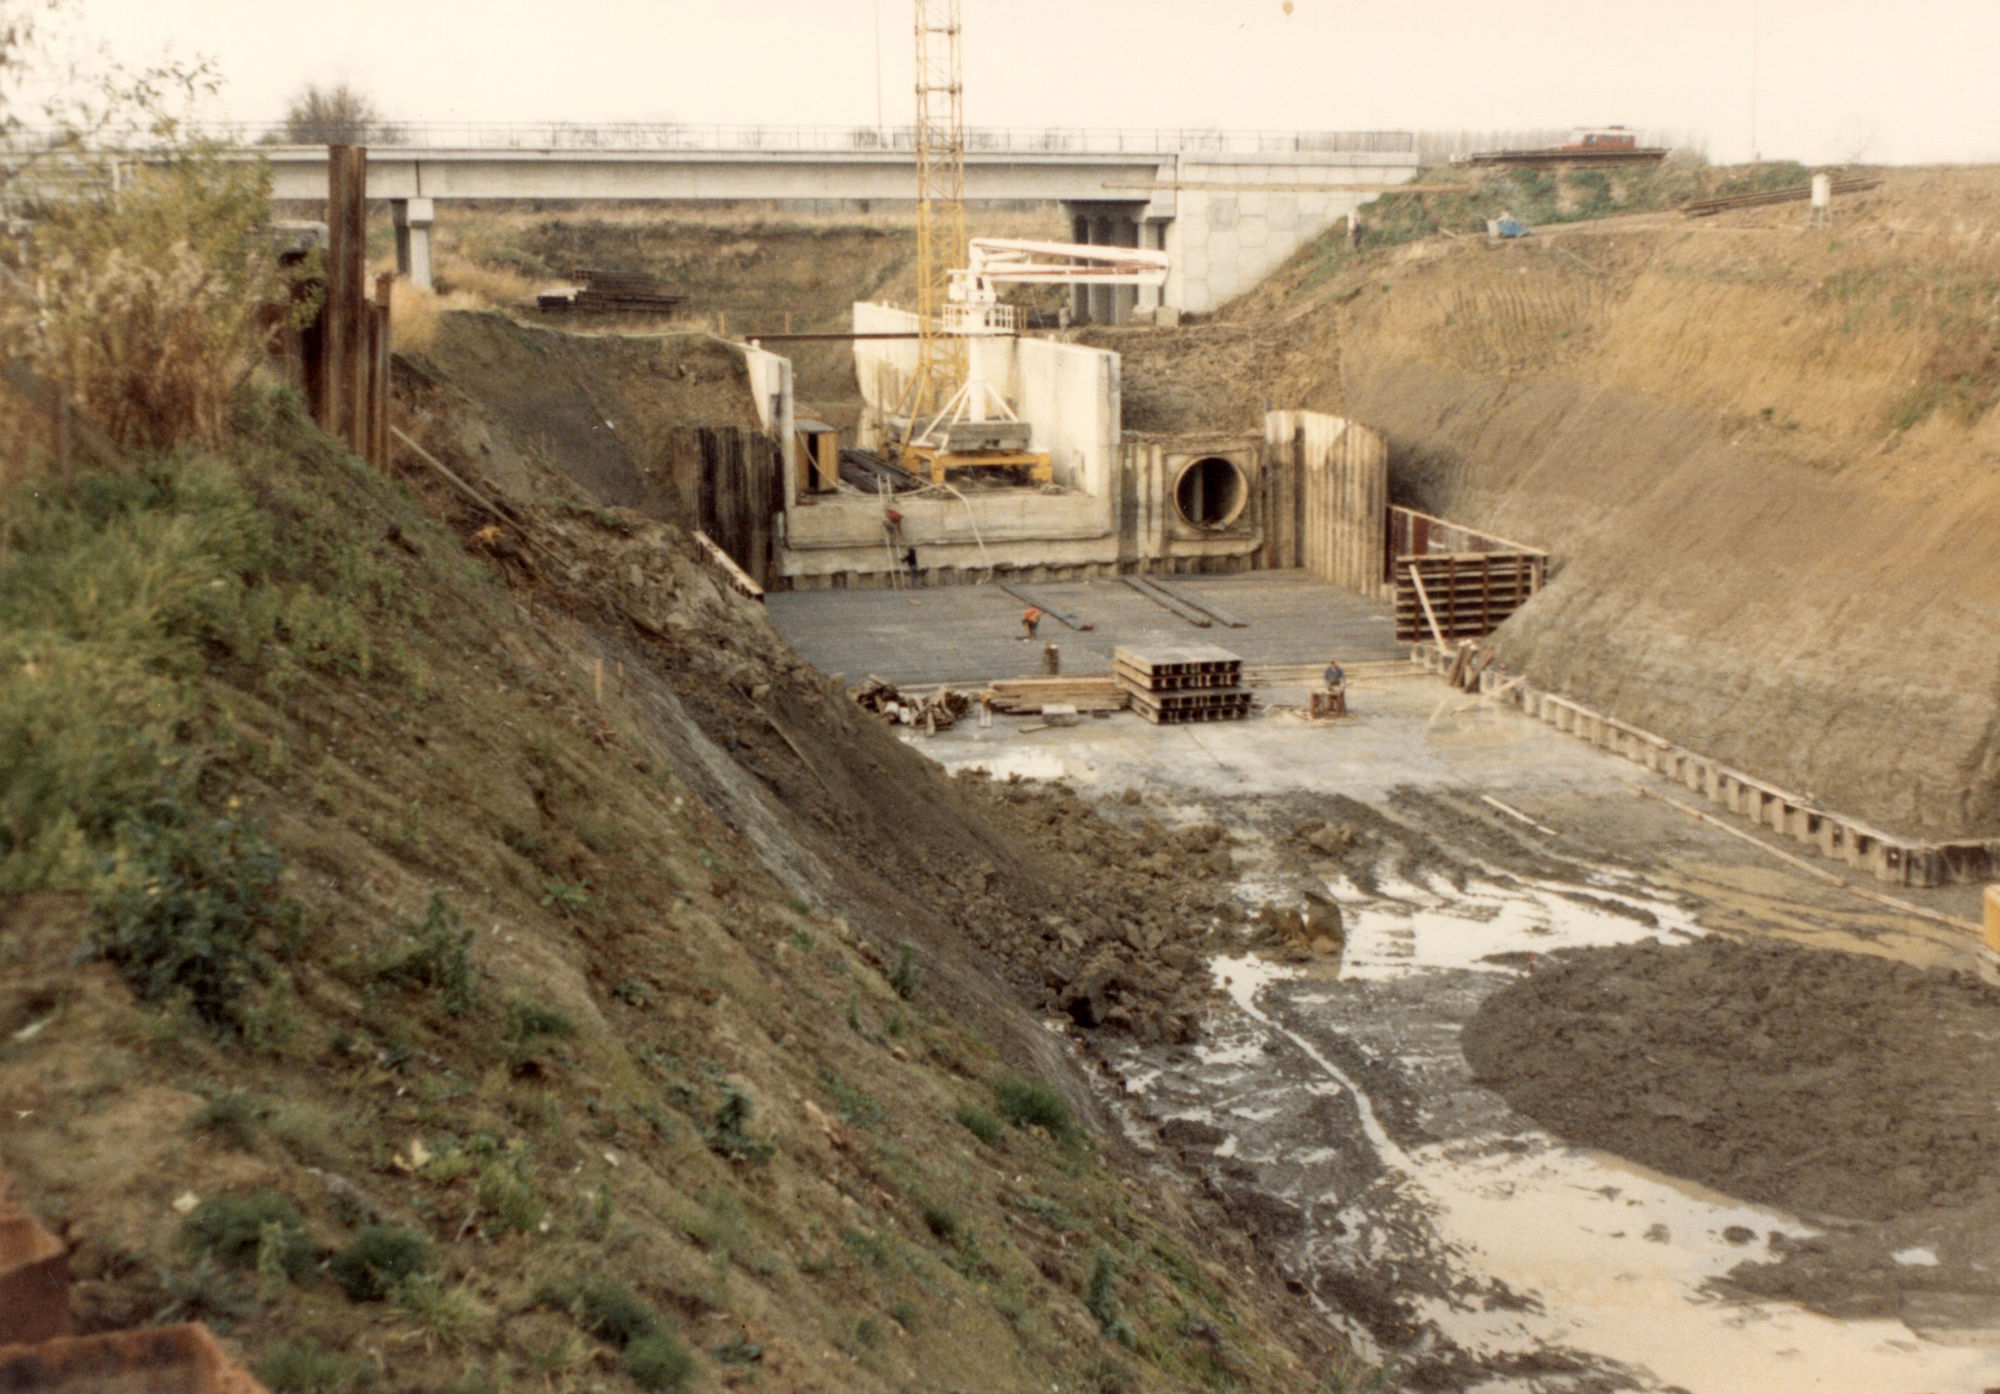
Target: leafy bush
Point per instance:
(231, 1115)
(381, 1259)
(658, 1362)
(942, 1221)
(435, 954)
(728, 1136)
(259, 1230)
(181, 908)
(1027, 1104)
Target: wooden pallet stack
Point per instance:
(1170, 686)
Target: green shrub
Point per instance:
(1027, 1104)
(180, 908)
(942, 1221)
(435, 954)
(507, 1193)
(1100, 1298)
(529, 1021)
(301, 1367)
(728, 1136)
(980, 1124)
(253, 1231)
(906, 974)
(232, 1115)
(604, 1307)
(658, 1362)
(381, 1259)
(854, 1104)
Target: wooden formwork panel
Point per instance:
(1469, 594)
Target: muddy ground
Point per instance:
(1800, 1117)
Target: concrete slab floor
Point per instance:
(1407, 731)
(970, 634)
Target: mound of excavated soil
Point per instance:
(1820, 1082)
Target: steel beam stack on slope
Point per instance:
(1170, 686)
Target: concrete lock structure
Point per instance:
(1310, 490)
(1226, 207)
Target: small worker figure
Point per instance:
(910, 561)
(1336, 687)
(892, 521)
(1062, 320)
(1354, 231)
(1030, 617)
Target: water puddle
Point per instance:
(1610, 1258)
(1418, 928)
(1023, 763)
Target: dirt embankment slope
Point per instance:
(753, 268)
(617, 1020)
(598, 407)
(1766, 457)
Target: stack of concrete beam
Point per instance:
(1170, 686)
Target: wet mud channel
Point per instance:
(1790, 1236)
(1331, 1106)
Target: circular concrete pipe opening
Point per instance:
(1211, 492)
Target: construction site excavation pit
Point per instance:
(1411, 876)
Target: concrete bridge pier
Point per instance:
(1114, 228)
(413, 218)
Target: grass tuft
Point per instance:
(1027, 1104)
(380, 1260)
(250, 1231)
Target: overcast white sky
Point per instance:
(1891, 82)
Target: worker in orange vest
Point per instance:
(1030, 617)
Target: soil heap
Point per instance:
(1824, 1083)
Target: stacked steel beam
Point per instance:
(1170, 686)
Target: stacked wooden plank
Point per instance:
(614, 292)
(1030, 695)
(1170, 686)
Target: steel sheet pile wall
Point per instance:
(737, 481)
(1337, 493)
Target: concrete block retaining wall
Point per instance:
(1898, 860)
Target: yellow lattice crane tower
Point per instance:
(940, 210)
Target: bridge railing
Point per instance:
(646, 136)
